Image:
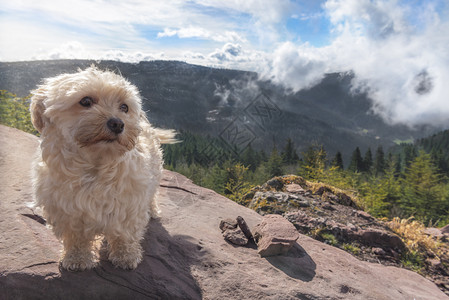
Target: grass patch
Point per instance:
(412, 233)
(329, 238)
(413, 260)
(352, 248)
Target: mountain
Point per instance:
(236, 106)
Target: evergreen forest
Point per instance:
(408, 180)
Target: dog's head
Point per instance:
(91, 108)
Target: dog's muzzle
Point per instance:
(115, 125)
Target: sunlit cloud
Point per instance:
(397, 50)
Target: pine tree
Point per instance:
(379, 162)
(237, 185)
(274, 164)
(356, 164)
(289, 155)
(410, 154)
(423, 193)
(338, 161)
(368, 161)
(249, 158)
(217, 179)
(313, 163)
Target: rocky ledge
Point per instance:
(332, 216)
(186, 256)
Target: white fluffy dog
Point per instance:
(99, 165)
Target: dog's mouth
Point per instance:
(123, 140)
(108, 140)
(120, 141)
(96, 141)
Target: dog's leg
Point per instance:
(125, 253)
(78, 252)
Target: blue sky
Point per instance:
(387, 44)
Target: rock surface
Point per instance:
(330, 215)
(185, 257)
(274, 235)
(235, 231)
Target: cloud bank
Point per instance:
(400, 60)
(398, 50)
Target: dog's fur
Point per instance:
(89, 180)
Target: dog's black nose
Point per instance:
(115, 125)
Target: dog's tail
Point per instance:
(166, 136)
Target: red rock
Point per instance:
(244, 227)
(274, 235)
(227, 224)
(185, 254)
(380, 238)
(294, 188)
(364, 215)
(235, 236)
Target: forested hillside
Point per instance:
(405, 183)
(210, 101)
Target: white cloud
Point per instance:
(403, 67)
(201, 33)
(298, 67)
(397, 51)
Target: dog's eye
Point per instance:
(86, 102)
(124, 108)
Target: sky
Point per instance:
(397, 50)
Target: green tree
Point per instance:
(338, 161)
(368, 161)
(216, 179)
(356, 164)
(237, 186)
(249, 158)
(379, 161)
(313, 164)
(274, 164)
(424, 195)
(289, 155)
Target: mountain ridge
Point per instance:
(207, 101)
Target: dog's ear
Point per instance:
(37, 109)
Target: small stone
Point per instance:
(379, 251)
(235, 236)
(227, 224)
(434, 263)
(275, 183)
(294, 188)
(244, 227)
(364, 215)
(274, 235)
(328, 207)
(351, 227)
(281, 197)
(395, 254)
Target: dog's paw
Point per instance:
(127, 258)
(78, 261)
